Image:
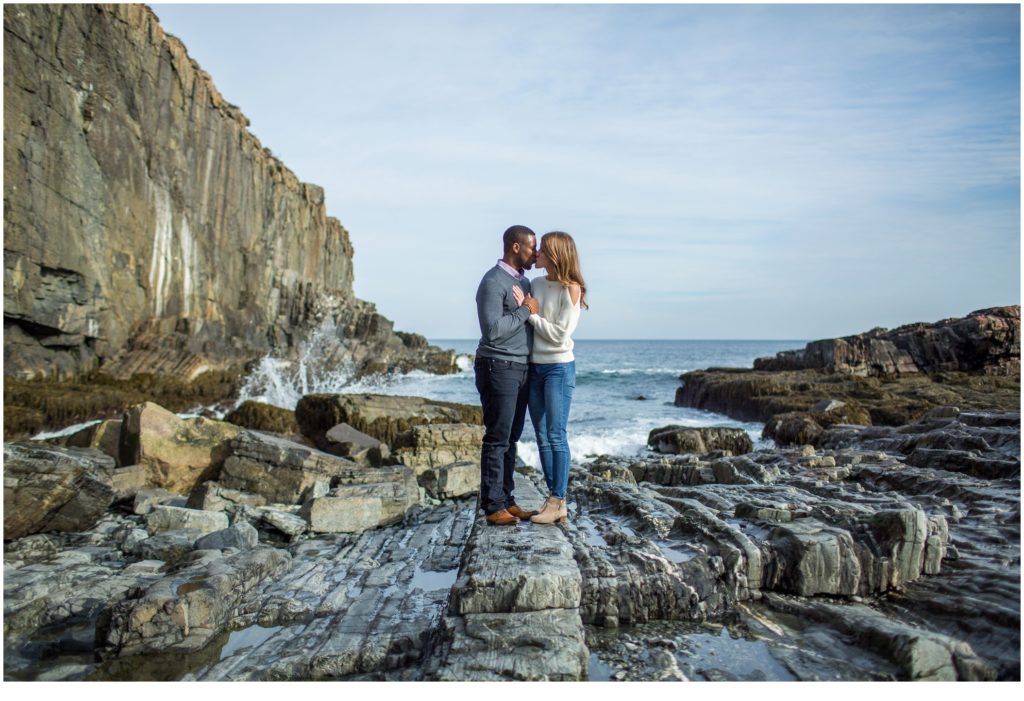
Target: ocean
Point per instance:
(623, 388)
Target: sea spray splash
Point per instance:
(320, 364)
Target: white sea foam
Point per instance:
(283, 382)
(628, 372)
(45, 435)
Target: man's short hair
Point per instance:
(516, 234)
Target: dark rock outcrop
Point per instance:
(972, 363)
(145, 228)
(986, 341)
(687, 439)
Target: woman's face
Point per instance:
(542, 258)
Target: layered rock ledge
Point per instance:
(881, 377)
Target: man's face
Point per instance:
(526, 255)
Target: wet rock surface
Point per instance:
(846, 562)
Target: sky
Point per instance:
(727, 171)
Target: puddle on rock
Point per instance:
(702, 653)
(591, 535)
(598, 671)
(250, 637)
(673, 554)
(433, 581)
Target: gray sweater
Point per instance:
(504, 333)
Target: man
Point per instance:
(502, 361)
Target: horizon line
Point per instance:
(751, 340)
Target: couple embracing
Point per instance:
(525, 360)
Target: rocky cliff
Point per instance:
(879, 377)
(986, 341)
(145, 228)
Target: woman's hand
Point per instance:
(517, 294)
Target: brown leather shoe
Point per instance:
(521, 514)
(502, 518)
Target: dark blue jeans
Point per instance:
(551, 386)
(503, 394)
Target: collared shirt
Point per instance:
(517, 274)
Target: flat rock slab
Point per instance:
(349, 605)
(535, 646)
(514, 610)
(169, 518)
(352, 508)
(527, 567)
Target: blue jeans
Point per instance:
(503, 394)
(551, 386)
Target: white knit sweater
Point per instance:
(553, 326)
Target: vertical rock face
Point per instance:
(145, 228)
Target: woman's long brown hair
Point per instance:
(560, 250)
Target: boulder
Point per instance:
(284, 521)
(371, 498)
(177, 453)
(792, 428)
(347, 442)
(685, 439)
(433, 445)
(211, 496)
(279, 470)
(146, 499)
(169, 547)
(105, 436)
(48, 488)
(241, 536)
(168, 518)
(454, 480)
(380, 416)
(128, 481)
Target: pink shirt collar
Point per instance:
(517, 274)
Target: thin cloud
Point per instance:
(736, 158)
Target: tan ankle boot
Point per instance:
(556, 512)
(550, 503)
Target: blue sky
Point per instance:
(728, 171)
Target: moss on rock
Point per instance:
(31, 406)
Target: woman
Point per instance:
(553, 365)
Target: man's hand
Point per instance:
(517, 294)
(532, 303)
